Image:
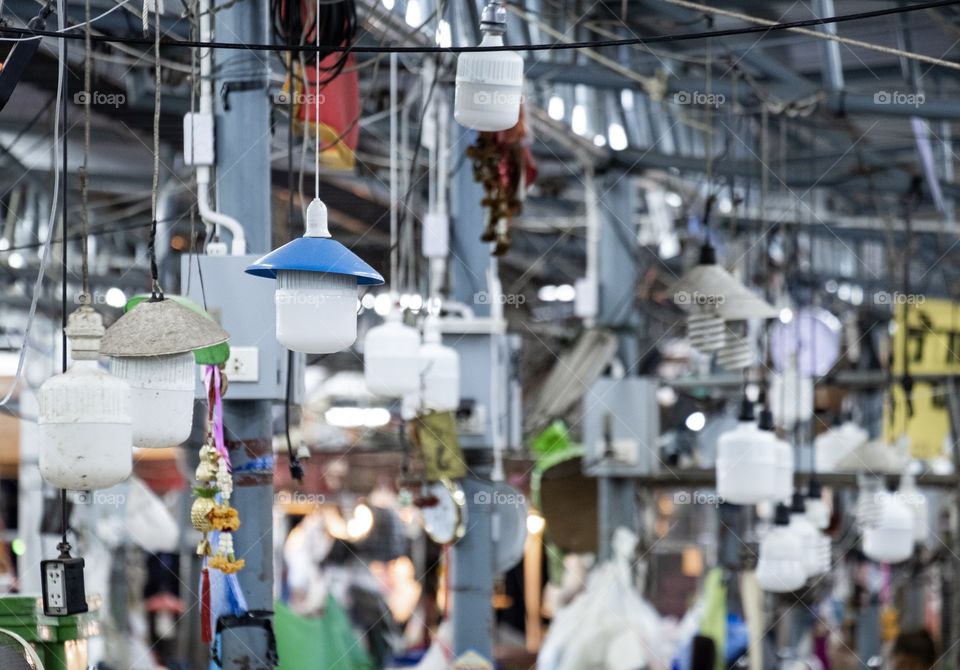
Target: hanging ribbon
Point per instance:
(206, 621)
(213, 381)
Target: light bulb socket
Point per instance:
(746, 410)
(781, 515)
(493, 20)
(765, 420)
(708, 254)
(814, 489)
(797, 505)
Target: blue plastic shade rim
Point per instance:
(315, 254)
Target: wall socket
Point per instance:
(243, 364)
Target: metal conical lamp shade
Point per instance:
(710, 284)
(160, 328)
(215, 355)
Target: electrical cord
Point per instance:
(560, 46)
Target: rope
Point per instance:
(849, 41)
(154, 271)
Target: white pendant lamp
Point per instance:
(890, 539)
(746, 462)
(711, 296)
(815, 555)
(784, 457)
(489, 84)
(779, 568)
(391, 357)
(317, 280)
(440, 370)
(818, 512)
(151, 347)
(86, 435)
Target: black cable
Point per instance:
(64, 546)
(565, 46)
(296, 467)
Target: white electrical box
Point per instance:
(198, 139)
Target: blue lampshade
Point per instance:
(315, 254)
(316, 294)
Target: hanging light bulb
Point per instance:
(890, 539)
(440, 370)
(711, 296)
(84, 418)
(785, 460)
(815, 555)
(151, 348)
(779, 567)
(818, 512)
(736, 353)
(317, 279)
(746, 462)
(917, 502)
(391, 358)
(489, 85)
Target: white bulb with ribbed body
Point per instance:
(161, 397)
(391, 358)
(316, 311)
(489, 84)
(890, 539)
(746, 463)
(86, 437)
(440, 371)
(779, 567)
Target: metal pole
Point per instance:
(243, 191)
(472, 564)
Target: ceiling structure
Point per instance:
(843, 126)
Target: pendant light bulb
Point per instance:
(440, 370)
(890, 539)
(816, 546)
(746, 462)
(86, 437)
(391, 357)
(151, 348)
(489, 84)
(317, 282)
(779, 567)
(784, 457)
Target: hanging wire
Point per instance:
(316, 105)
(156, 291)
(64, 546)
(556, 46)
(84, 173)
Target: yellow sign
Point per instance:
(437, 435)
(932, 333)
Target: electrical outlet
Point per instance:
(243, 364)
(63, 588)
(53, 574)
